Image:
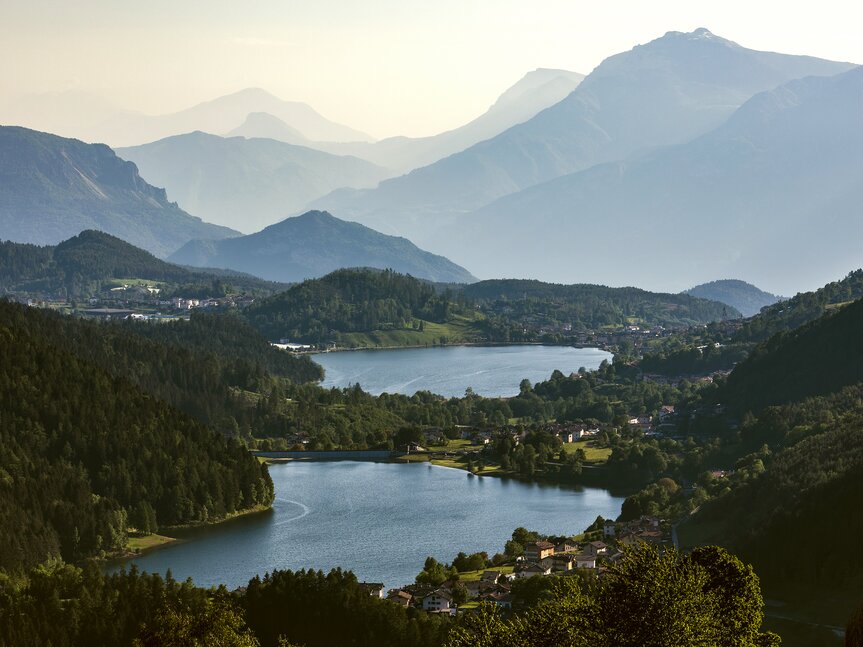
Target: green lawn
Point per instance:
(593, 454)
(472, 576)
(459, 329)
(140, 542)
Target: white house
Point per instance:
(438, 600)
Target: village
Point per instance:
(504, 580)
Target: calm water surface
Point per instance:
(492, 371)
(380, 520)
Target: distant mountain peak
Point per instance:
(317, 243)
(702, 33)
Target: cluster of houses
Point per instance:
(540, 559)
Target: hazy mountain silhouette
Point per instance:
(316, 244)
(52, 188)
(536, 91)
(743, 296)
(245, 184)
(773, 194)
(666, 92)
(91, 119)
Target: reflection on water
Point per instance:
(380, 520)
(492, 371)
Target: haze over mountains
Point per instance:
(92, 119)
(316, 244)
(666, 92)
(692, 156)
(52, 188)
(777, 184)
(534, 92)
(250, 183)
(243, 183)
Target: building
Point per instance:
(374, 589)
(438, 600)
(585, 561)
(535, 551)
(595, 548)
(532, 570)
(402, 598)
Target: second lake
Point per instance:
(491, 371)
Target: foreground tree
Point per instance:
(649, 599)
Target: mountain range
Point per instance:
(666, 92)
(776, 183)
(243, 183)
(52, 188)
(314, 244)
(533, 93)
(92, 119)
(267, 169)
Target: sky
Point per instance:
(387, 67)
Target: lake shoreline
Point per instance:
(380, 520)
(467, 344)
(489, 370)
(164, 540)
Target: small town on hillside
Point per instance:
(597, 550)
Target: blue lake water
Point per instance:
(380, 520)
(493, 371)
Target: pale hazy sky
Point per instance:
(388, 67)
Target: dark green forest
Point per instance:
(815, 359)
(86, 454)
(801, 309)
(664, 600)
(82, 265)
(592, 306)
(353, 300)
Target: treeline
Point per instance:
(648, 598)
(64, 606)
(82, 265)
(229, 337)
(816, 359)
(85, 454)
(590, 307)
(804, 498)
(695, 360)
(188, 365)
(669, 599)
(801, 309)
(351, 300)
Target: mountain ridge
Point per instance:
(246, 183)
(665, 92)
(302, 247)
(776, 180)
(52, 188)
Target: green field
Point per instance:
(459, 329)
(594, 454)
(139, 542)
(472, 576)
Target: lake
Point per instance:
(491, 371)
(380, 520)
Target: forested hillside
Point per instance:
(85, 264)
(86, 454)
(345, 301)
(740, 295)
(816, 359)
(593, 306)
(801, 309)
(804, 498)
